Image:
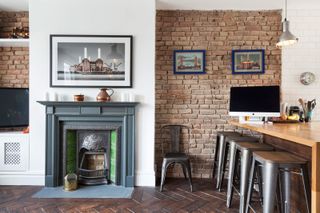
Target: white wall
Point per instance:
(303, 56)
(95, 17)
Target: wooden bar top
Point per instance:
(302, 133)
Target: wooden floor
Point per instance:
(175, 198)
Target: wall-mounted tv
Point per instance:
(14, 107)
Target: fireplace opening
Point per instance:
(93, 155)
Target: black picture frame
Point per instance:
(93, 75)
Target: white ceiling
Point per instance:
(234, 4)
(14, 5)
(22, 5)
(219, 4)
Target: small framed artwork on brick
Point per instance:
(248, 61)
(189, 61)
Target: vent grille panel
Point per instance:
(12, 153)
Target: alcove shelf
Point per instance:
(14, 42)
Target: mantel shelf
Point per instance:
(14, 42)
(87, 103)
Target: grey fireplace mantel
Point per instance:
(121, 114)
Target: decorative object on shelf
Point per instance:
(103, 96)
(20, 32)
(70, 182)
(189, 61)
(248, 61)
(53, 96)
(124, 97)
(307, 107)
(286, 38)
(307, 78)
(78, 98)
(90, 61)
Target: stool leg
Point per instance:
(280, 205)
(189, 175)
(184, 172)
(306, 186)
(245, 164)
(221, 157)
(270, 178)
(215, 158)
(163, 173)
(286, 180)
(260, 183)
(250, 185)
(224, 165)
(232, 162)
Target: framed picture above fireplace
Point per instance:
(91, 61)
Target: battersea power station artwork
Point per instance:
(91, 61)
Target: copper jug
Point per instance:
(70, 182)
(103, 95)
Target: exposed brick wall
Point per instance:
(14, 61)
(201, 101)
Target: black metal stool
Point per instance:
(245, 149)
(272, 164)
(174, 155)
(221, 152)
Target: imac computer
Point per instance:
(255, 104)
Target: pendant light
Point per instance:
(286, 38)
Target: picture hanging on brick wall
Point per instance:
(248, 61)
(189, 61)
(90, 61)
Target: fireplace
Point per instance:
(92, 139)
(92, 152)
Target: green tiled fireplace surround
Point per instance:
(116, 117)
(72, 158)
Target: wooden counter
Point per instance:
(307, 134)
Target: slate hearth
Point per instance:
(108, 116)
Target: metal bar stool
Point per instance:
(273, 163)
(221, 151)
(245, 150)
(174, 155)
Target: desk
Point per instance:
(307, 134)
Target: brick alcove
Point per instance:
(201, 101)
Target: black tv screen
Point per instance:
(14, 107)
(255, 99)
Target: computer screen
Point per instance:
(255, 101)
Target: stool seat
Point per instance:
(222, 133)
(233, 138)
(253, 146)
(176, 155)
(278, 157)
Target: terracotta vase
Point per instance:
(103, 95)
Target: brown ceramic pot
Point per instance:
(104, 96)
(78, 97)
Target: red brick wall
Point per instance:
(201, 101)
(14, 61)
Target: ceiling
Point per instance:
(219, 4)
(234, 4)
(22, 5)
(14, 5)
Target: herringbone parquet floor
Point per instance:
(175, 198)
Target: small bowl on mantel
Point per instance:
(78, 98)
